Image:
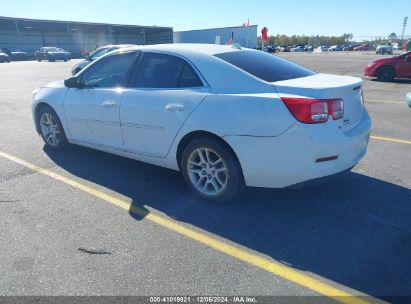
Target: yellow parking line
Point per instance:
(243, 255)
(402, 141)
(385, 101)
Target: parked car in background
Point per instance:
(362, 47)
(321, 48)
(386, 69)
(15, 55)
(408, 99)
(95, 55)
(4, 57)
(181, 108)
(269, 49)
(336, 48)
(384, 49)
(283, 48)
(299, 48)
(51, 54)
(350, 47)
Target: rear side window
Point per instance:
(166, 71)
(265, 66)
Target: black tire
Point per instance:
(39, 59)
(62, 139)
(65, 59)
(385, 73)
(233, 174)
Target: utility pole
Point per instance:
(403, 29)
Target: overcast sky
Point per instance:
(309, 17)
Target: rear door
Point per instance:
(166, 89)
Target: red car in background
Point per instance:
(363, 47)
(386, 69)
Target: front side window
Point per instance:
(166, 71)
(109, 72)
(265, 66)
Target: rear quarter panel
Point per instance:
(240, 114)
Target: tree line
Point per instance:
(309, 40)
(325, 40)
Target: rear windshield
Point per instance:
(265, 66)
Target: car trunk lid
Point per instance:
(325, 86)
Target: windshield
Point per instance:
(52, 49)
(265, 66)
(100, 52)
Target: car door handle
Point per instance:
(108, 104)
(175, 107)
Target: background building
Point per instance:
(246, 36)
(77, 37)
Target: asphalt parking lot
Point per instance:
(82, 222)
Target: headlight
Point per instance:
(371, 63)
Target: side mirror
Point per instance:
(72, 82)
(408, 58)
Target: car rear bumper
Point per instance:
(300, 154)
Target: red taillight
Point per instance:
(336, 107)
(308, 110)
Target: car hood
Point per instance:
(82, 64)
(384, 59)
(58, 53)
(55, 84)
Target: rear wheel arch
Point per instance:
(202, 134)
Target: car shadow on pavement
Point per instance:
(354, 230)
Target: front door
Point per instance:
(93, 112)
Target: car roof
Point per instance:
(116, 46)
(199, 48)
(220, 75)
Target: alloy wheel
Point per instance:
(49, 129)
(207, 171)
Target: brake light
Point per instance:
(307, 110)
(336, 107)
(311, 111)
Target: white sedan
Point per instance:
(224, 116)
